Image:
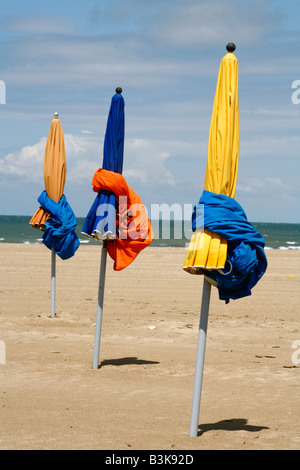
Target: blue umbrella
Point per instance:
(100, 222)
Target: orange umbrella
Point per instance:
(54, 171)
(54, 177)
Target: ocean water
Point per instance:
(16, 229)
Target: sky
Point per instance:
(68, 56)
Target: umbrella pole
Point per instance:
(200, 359)
(53, 274)
(100, 306)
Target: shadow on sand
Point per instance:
(229, 425)
(123, 361)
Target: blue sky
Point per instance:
(69, 56)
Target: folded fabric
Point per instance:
(59, 233)
(100, 222)
(246, 259)
(134, 231)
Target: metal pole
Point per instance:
(53, 269)
(200, 359)
(100, 306)
(53, 262)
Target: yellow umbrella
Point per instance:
(208, 250)
(54, 171)
(54, 177)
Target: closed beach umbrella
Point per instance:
(224, 246)
(54, 216)
(207, 249)
(108, 217)
(55, 170)
(100, 222)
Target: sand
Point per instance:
(140, 397)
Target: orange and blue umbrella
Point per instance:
(110, 217)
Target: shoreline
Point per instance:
(282, 236)
(153, 245)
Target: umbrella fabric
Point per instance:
(224, 245)
(134, 231)
(100, 222)
(208, 250)
(54, 171)
(246, 259)
(60, 226)
(55, 216)
(223, 144)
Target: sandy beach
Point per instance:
(140, 398)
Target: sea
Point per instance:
(174, 233)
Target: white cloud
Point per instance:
(27, 162)
(268, 185)
(145, 160)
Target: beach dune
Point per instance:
(140, 397)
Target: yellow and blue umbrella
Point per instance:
(208, 250)
(224, 247)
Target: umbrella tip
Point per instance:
(119, 90)
(230, 47)
(56, 115)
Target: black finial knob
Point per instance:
(119, 90)
(230, 47)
